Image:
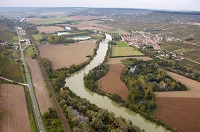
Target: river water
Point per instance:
(76, 84)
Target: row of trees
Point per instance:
(173, 65)
(90, 80)
(54, 39)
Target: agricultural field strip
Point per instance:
(39, 84)
(15, 116)
(193, 92)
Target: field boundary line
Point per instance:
(24, 84)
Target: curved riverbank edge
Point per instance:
(76, 84)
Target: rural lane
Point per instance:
(30, 86)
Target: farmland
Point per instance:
(124, 51)
(66, 55)
(8, 68)
(111, 82)
(188, 50)
(14, 109)
(180, 108)
(193, 92)
(49, 29)
(39, 84)
(50, 20)
(8, 35)
(180, 113)
(91, 25)
(84, 18)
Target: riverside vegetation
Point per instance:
(146, 79)
(91, 118)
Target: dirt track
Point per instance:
(111, 82)
(181, 113)
(193, 92)
(15, 113)
(40, 88)
(66, 55)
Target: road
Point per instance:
(30, 86)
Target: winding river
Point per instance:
(76, 84)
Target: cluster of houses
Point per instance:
(167, 54)
(140, 39)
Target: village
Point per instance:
(140, 40)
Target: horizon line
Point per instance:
(169, 10)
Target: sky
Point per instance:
(193, 5)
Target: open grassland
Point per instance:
(111, 82)
(193, 92)
(120, 60)
(49, 29)
(9, 69)
(14, 109)
(180, 113)
(65, 55)
(39, 85)
(125, 51)
(50, 20)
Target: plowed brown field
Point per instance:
(180, 109)
(14, 109)
(111, 82)
(180, 113)
(91, 25)
(49, 29)
(39, 84)
(66, 55)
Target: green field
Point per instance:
(8, 35)
(125, 51)
(122, 44)
(10, 69)
(51, 20)
(37, 37)
(29, 51)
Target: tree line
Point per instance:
(173, 65)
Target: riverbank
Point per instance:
(79, 89)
